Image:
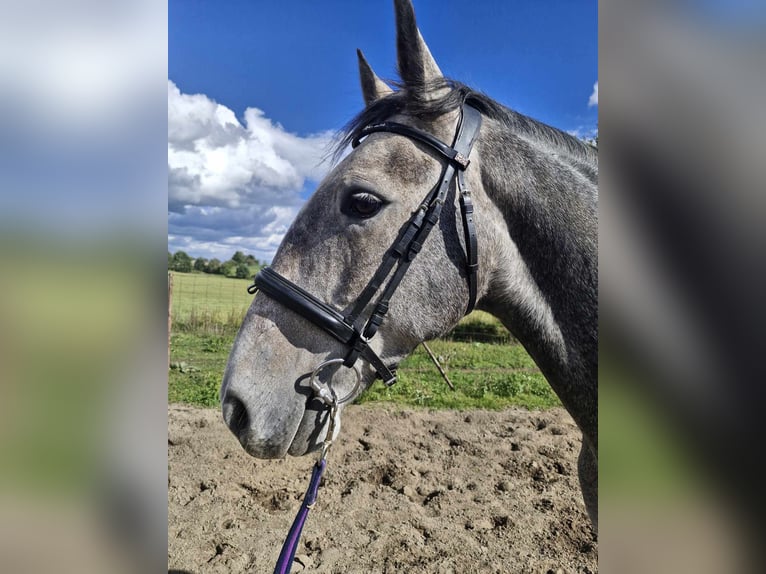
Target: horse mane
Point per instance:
(406, 101)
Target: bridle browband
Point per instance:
(353, 330)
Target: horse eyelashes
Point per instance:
(363, 205)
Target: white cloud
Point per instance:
(593, 101)
(215, 160)
(585, 133)
(220, 231)
(234, 184)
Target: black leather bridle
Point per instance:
(352, 329)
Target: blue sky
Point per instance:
(293, 64)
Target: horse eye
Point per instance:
(362, 204)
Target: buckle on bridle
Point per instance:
(461, 160)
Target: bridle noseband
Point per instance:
(353, 330)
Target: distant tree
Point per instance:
(213, 266)
(238, 257)
(170, 260)
(228, 268)
(200, 264)
(182, 262)
(242, 271)
(250, 260)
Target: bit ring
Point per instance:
(326, 393)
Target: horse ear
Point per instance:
(417, 67)
(373, 88)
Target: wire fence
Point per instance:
(208, 303)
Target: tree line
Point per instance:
(240, 265)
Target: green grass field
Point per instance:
(488, 368)
(208, 303)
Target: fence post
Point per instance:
(170, 311)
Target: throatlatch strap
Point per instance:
(470, 125)
(471, 242)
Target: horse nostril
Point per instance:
(235, 414)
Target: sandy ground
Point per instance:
(405, 491)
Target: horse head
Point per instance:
(336, 245)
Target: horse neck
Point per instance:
(542, 280)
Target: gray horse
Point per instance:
(535, 194)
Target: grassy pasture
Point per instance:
(488, 368)
(209, 303)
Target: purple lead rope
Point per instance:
(328, 396)
(287, 554)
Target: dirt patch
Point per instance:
(405, 491)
